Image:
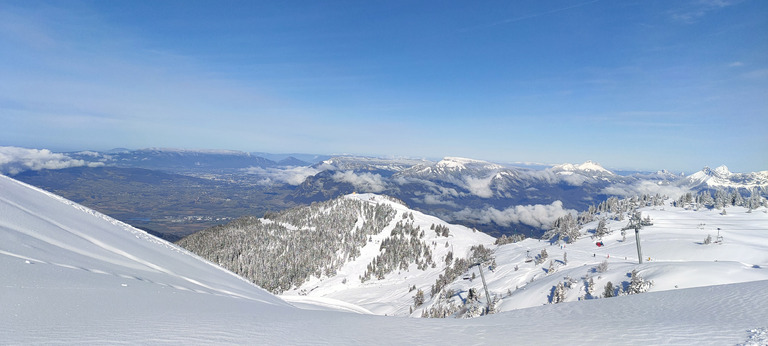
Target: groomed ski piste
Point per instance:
(71, 275)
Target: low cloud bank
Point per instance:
(539, 215)
(480, 187)
(367, 182)
(645, 188)
(14, 160)
(290, 175)
(436, 200)
(574, 179)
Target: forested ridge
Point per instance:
(282, 250)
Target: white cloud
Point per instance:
(644, 187)
(546, 175)
(14, 160)
(436, 199)
(89, 153)
(539, 215)
(434, 187)
(290, 175)
(368, 182)
(574, 179)
(480, 187)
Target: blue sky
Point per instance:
(630, 84)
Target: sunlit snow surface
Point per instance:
(674, 255)
(70, 275)
(674, 258)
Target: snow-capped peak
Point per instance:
(722, 171)
(587, 166)
(461, 163)
(706, 173)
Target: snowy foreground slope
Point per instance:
(675, 256)
(70, 275)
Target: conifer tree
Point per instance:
(601, 229)
(558, 294)
(590, 287)
(608, 292)
(418, 298)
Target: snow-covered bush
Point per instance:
(602, 267)
(637, 284)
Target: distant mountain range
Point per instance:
(722, 177)
(495, 198)
(182, 160)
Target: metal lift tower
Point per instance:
(487, 296)
(637, 224)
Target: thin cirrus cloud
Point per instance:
(530, 16)
(693, 11)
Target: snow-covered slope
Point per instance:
(70, 240)
(675, 256)
(393, 294)
(674, 253)
(70, 275)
